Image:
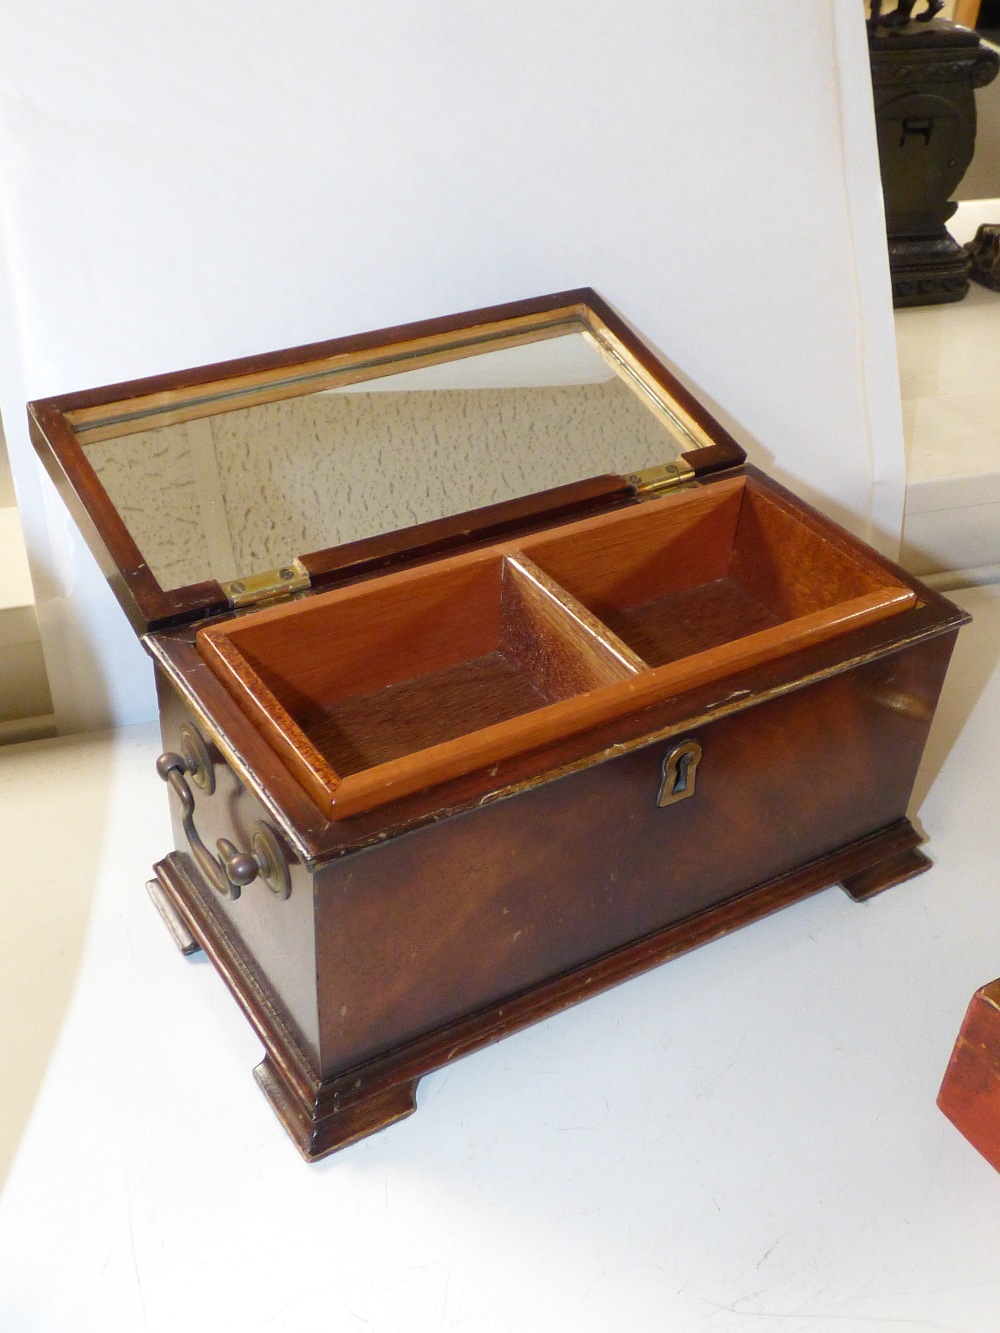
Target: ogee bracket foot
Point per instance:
(887, 873)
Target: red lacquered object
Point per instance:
(970, 1093)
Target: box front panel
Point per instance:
(434, 925)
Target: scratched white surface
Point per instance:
(312, 472)
(744, 1139)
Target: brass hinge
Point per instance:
(270, 586)
(663, 477)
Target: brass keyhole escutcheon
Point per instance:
(679, 768)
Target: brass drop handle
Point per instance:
(232, 870)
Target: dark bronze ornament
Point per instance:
(924, 72)
(984, 252)
(896, 18)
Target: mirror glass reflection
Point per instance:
(240, 491)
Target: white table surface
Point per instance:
(745, 1138)
(949, 379)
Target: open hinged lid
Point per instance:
(249, 481)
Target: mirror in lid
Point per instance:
(326, 464)
(380, 448)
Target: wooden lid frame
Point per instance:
(61, 426)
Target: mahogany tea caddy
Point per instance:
(490, 675)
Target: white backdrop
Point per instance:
(186, 182)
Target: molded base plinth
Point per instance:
(970, 1094)
(322, 1114)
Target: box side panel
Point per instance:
(274, 939)
(435, 925)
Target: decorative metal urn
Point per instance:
(924, 72)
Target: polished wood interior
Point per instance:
(731, 562)
(354, 683)
(530, 652)
(388, 686)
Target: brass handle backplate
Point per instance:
(680, 765)
(232, 870)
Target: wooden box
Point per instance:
(490, 675)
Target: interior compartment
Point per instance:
(388, 686)
(352, 682)
(731, 569)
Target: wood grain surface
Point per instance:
(499, 899)
(692, 621)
